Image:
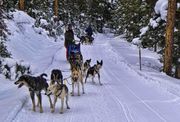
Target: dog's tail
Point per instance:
(43, 74)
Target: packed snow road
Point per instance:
(124, 96)
(127, 94)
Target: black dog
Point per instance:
(56, 76)
(86, 65)
(95, 70)
(76, 58)
(35, 85)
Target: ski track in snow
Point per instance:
(133, 93)
(118, 101)
(125, 108)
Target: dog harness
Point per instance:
(60, 90)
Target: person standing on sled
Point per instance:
(69, 38)
(89, 32)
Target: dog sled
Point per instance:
(74, 54)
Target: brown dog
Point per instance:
(58, 91)
(76, 78)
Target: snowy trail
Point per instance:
(114, 76)
(90, 103)
(127, 94)
(122, 97)
(134, 89)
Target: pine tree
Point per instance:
(176, 46)
(154, 37)
(131, 16)
(3, 34)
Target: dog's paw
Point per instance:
(68, 107)
(41, 111)
(61, 112)
(34, 109)
(101, 84)
(52, 110)
(83, 92)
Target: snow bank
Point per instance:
(24, 36)
(136, 41)
(11, 100)
(21, 17)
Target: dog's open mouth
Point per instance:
(20, 85)
(75, 79)
(16, 83)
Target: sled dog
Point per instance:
(35, 86)
(56, 76)
(76, 58)
(93, 71)
(76, 78)
(58, 91)
(86, 66)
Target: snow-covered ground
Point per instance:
(127, 94)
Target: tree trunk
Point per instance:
(56, 7)
(177, 73)
(155, 47)
(21, 4)
(169, 36)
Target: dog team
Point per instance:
(56, 87)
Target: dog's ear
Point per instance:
(101, 62)
(98, 62)
(90, 60)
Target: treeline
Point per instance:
(127, 17)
